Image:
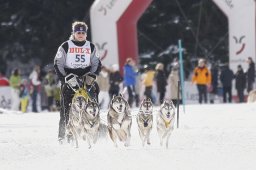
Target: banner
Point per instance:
(114, 29)
(5, 97)
(103, 15)
(241, 22)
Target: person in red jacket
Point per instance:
(3, 80)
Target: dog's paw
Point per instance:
(61, 141)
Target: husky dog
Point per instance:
(119, 120)
(165, 121)
(91, 122)
(77, 108)
(251, 97)
(145, 120)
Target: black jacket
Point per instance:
(160, 80)
(251, 73)
(240, 80)
(226, 77)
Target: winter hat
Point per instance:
(79, 26)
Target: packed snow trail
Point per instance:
(212, 137)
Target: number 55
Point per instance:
(80, 58)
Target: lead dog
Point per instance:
(145, 120)
(165, 121)
(91, 122)
(74, 126)
(119, 120)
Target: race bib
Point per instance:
(78, 57)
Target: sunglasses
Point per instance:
(80, 32)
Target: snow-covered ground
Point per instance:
(210, 137)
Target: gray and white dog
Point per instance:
(91, 122)
(74, 126)
(251, 97)
(145, 120)
(119, 120)
(165, 121)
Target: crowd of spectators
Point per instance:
(41, 90)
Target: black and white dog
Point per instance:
(165, 121)
(119, 120)
(145, 120)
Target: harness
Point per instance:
(145, 121)
(81, 92)
(91, 123)
(166, 123)
(114, 117)
(76, 118)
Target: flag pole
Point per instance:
(181, 75)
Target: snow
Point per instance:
(210, 137)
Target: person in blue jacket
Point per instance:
(130, 79)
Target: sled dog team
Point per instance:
(84, 121)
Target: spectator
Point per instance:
(250, 75)
(240, 83)
(226, 77)
(148, 80)
(214, 84)
(15, 81)
(103, 82)
(161, 82)
(138, 88)
(202, 78)
(173, 81)
(130, 79)
(57, 95)
(24, 95)
(49, 86)
(115, 79)
(3, 80)
(36, 83)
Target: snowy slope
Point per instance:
(210, 137)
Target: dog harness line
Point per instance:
(81, 92)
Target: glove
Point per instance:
(90, 78)
(71, 80)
